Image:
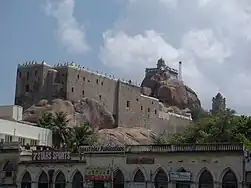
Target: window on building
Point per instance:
(102, 83)
(28, 75)
(8, 168)
(35, 72)
(97, 81)
(78, 76)
(83, 78)
(33, 142)
(155, 111)
(100, 97)
(152, 102)
(148, 109)
(141, 107)
(137, 99)
(19, 74)
(72, 89)
(83, 93)
(21, 140)
(128, 104)
(88, 80)
(27, 88)
(8, 138)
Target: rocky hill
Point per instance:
(171, 92)
(99, 118)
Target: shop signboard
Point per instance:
(180, 176)
(99, 173)
(102, 149)
(51, 155)
(136, 185)
(140, 160)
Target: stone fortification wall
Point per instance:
(124, 100)
(135, 109)
(83, 83)
(171, 123)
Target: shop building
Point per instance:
(173, 166)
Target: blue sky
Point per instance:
(123, 37)
(27, 33)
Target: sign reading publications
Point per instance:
(105, 149)
(50, 155)
(180, 176)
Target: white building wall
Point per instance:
(217, 163)
(11, 112)
(31, 134)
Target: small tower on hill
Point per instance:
(218, 103)
(161, 65)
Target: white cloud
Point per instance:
(137, 52)
(69, 32)
(211, 37)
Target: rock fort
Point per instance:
(130, 105)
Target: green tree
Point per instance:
(224, 126)
(46, 121)
(58, 123)
(161, 139)
(81, 135)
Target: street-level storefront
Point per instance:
(207, 166)
(181, 178)
(98, 177)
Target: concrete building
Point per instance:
(173, 166)
(13, 129)
(9, 159)
(130, 108)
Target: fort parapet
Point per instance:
(130, 108)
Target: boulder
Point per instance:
(36, 111)
(128, 136)
(92, 112)
(79, 112)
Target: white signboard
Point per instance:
(51, 155)
(137, 185)
(180, 176)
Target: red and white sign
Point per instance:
(99, 178)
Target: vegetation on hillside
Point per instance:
(65, 136)
(224, 126)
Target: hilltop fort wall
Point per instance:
(128, 105)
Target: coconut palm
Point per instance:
(81, 135)
(58, 123)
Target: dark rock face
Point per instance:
(170, 91)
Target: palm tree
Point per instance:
(59, 125)
(61, 130)
(81, 135)
(46, 121)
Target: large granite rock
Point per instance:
(36, 111)
(129, 136)
(170, 91)
(93, 113)
(97, 116)
(79, 113)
